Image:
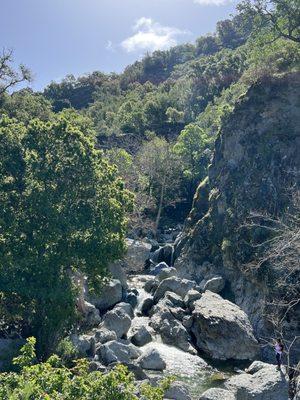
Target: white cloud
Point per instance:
(213, 2)
(150, 35)
(109, 46)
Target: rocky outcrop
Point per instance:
(255, 165)
(222, 329)
(267, 383)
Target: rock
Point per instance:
(117, 272)
(83, 343)
(141, 336)
(173, 299)
(166, 273)
(255, 367)
(137, 252)
(104, 335)
(266, 384)
(215, 284)
(178, 391)
(217, 394)
(187, 321)
(163, 321)
(152, 359)
(156, 270)
(132, 299)
(91, 314)
(146, 306)
(222, 329)
(163, 254)
(191, 296)
(111, 294)
(173, 284)
(126, 307)
(151, 285)
(117, 320)
(118, 351)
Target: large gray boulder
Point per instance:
(91, 314)
(141, 335)
(111, 294)
(173, 284)
(126, 307)
(117, 320)
(118, 351)
(191, 296)
(82, 343)
(104, 335)
(222, 329)
(178, 391)
(268, 383)
(151, 359)
(217, 394)
(137, 253)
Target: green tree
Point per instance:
(193, 146)
(10, 76)
(280, 17)
(62, 209)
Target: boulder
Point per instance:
(163, 254)
(126, 307)
(132, 299)
(83, 343)
(141, 336)
(173, 300)
(166, 273)
(215, 284)
(178, 391)
(151, 285)
(118, 351)
(146, 306)
(156, 270)
(173, 284)
(222, 329)
(104, 335)
(268, 383)
(217, 394)
(152, 359)
(110, 295)
(137, 252)
(96, 366)
(137, 371)
(91, 314)
(117, 320)
(191, 296)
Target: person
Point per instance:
(279, 350)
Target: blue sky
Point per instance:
(57, 37)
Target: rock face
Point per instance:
(255, 164)
(222, 329)
(151, 359)
(266, 384)
(111, 294)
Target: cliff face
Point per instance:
(255, 168)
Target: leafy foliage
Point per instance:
(62, 210)
(52, 380)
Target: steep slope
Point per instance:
(255, 168)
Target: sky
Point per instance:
(59, 37)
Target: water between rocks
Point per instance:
(190, 369)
